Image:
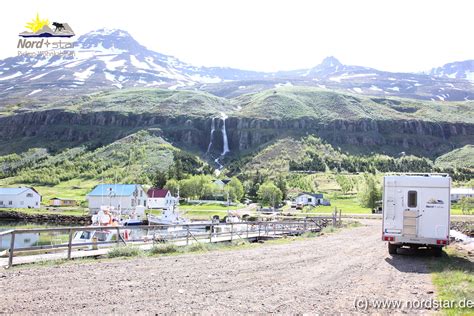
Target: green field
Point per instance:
(453, 276)
(206, 211)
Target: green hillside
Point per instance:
(461, 157)
(304, 102)
(133, 159)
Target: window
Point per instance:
(29, 195)
(1, 202)
(412, 198)
(10, 202)
(310, 200)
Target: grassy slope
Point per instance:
(124, 160)
(150, 100)
(459, 157)
(299, 102)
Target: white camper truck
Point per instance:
(416, 211)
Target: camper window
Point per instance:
(412, 198)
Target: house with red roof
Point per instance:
(160, 198)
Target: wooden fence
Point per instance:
(183, 234)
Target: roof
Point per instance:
(224, 181)
(462, 191)
(14, 191)
(114, 190)
(157, 193)
(62, 199)
(315, 195)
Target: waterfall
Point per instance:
(225, 142)
(213, 129)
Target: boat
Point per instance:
(170, 216)
(109, 217)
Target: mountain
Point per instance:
(102, 59)
(458, 70)
(110, 59)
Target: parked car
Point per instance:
(299, 206)
(293, 204)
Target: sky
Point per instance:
(270, 35)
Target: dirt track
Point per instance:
(325, 274)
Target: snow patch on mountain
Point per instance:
(82, 76)
(17, 74)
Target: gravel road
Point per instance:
(324, 274)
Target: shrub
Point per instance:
(124, 251)
(164, 248)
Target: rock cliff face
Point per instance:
(432, 138)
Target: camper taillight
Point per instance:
(388, 238)
(441, 242)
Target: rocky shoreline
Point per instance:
(45, 218)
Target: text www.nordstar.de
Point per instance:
(363, 304)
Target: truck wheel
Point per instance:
(437, 251)
(392, 249)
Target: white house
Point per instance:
(160, 198)
(19, 198)
(309, 199)
(122, 197)
(459, 193)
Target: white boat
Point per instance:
(110, 218)
(169, 217)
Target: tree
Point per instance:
(159, 179)
(281, 184)
(269, 194)
(199, 186)
(235, 189)
(345, 183)
(173, 186)
(370, 192)
(466, 204)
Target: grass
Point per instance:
(206, 211)
(124, 251)
(209, 207)
(348, 204)
(32, 211)
(453, 276)
(164, 248)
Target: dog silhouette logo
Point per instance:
(41, 28)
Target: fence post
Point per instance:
(210, 233)
(340, 217)
(231, 231)
(69, 245)
(334, 218)
(187, 235)
(118, 235)
(12, 246)
(247, 230)
(259, 226)
(304, 225)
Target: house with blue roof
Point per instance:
(23, 197)
(123, 197)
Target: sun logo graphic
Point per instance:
(42, 28)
